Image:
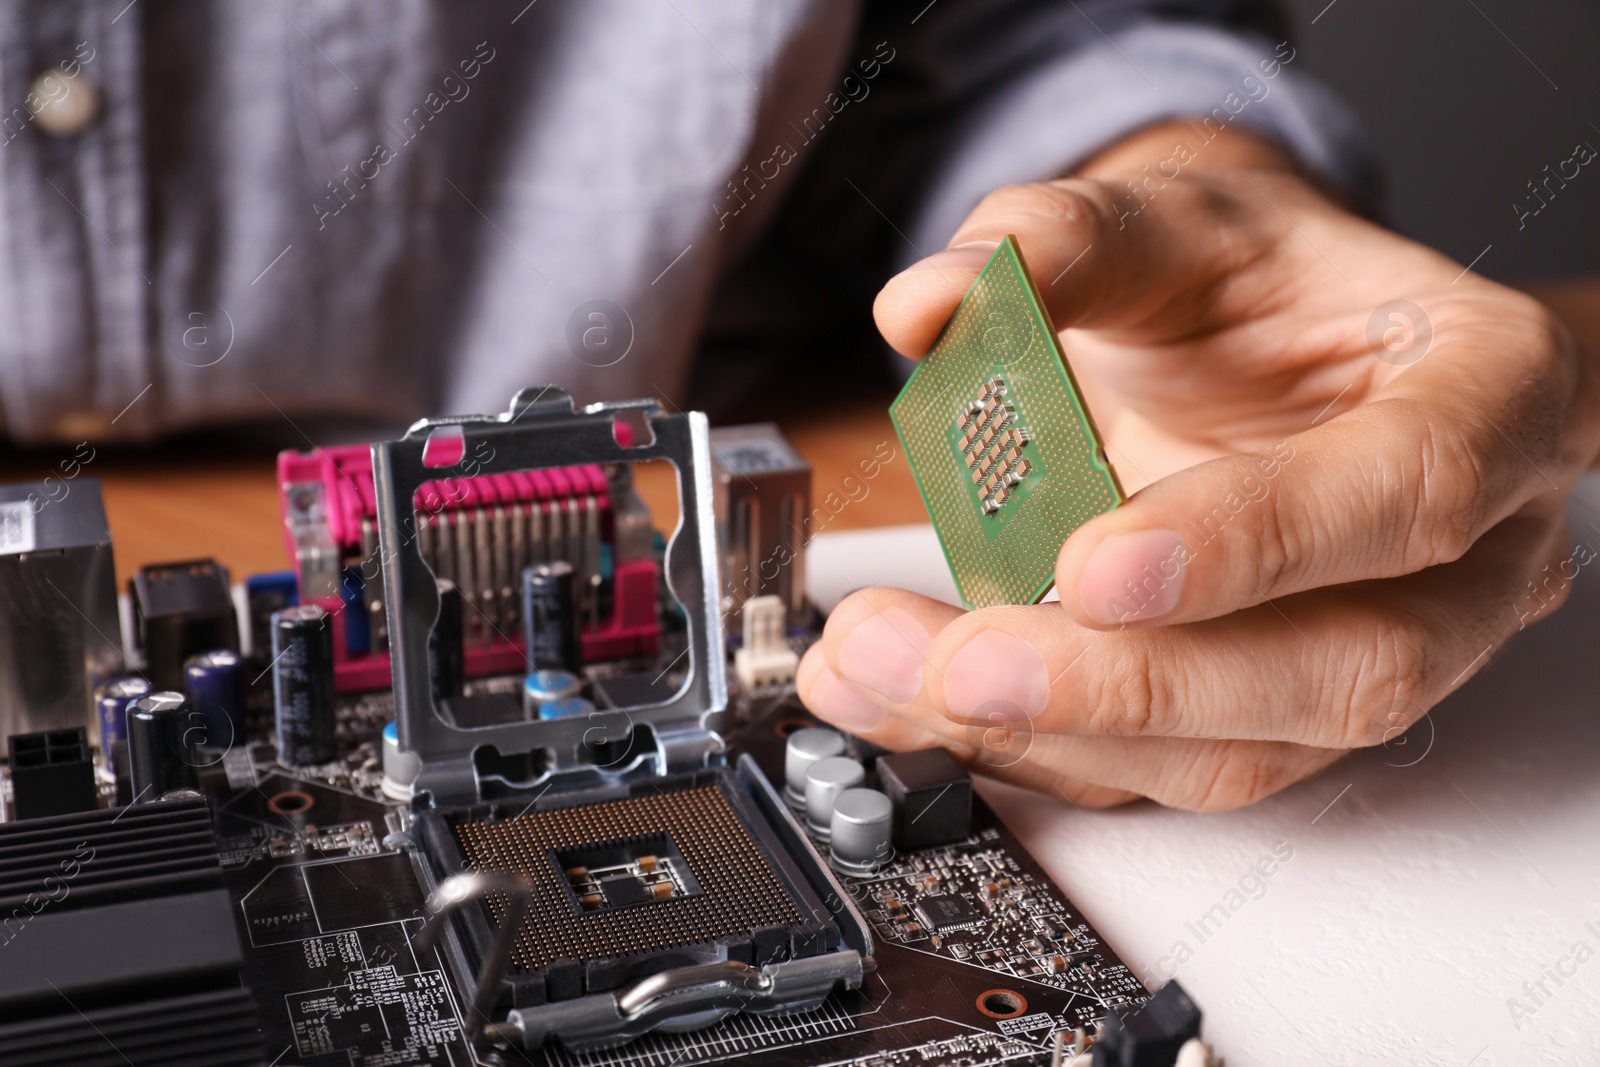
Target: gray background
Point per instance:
(1468, 100)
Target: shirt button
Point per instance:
(83, 426)
(66, 105)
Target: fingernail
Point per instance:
(1134, 577)
(996, 676)
(885, 654)
(969, 255)
(831, 699)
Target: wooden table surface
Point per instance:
(178, 503)
(221, 501)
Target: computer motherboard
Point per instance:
(501, 773)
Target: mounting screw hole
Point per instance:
(1002, 1003)
(292, 802)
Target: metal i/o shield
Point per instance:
(1000, 441)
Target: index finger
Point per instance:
(1398, 484)
(1093, 268)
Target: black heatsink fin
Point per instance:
(120, 943)
(212, 1029)
(108, 857)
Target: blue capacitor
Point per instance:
(541, 687)
(565, 708)
(112, 700)
(268, 593)
(399, 768)
(357, 624)
(215, 684)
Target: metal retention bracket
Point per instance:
(459, 891)
(541, 429)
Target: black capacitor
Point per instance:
(447, 656)
(932, 796)
(162, 732)
(550, 618)
(302, 685)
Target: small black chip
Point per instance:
(624, 891)
(947, 912)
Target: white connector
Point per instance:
(765, 659)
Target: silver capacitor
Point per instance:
(825, 780)
(859, 841)
(805, 747)
(399, 768)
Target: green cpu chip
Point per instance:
(1000, 442)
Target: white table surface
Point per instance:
(1428, 881)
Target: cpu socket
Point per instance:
(668, 873)
(667, 888)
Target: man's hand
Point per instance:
(1345, 504)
